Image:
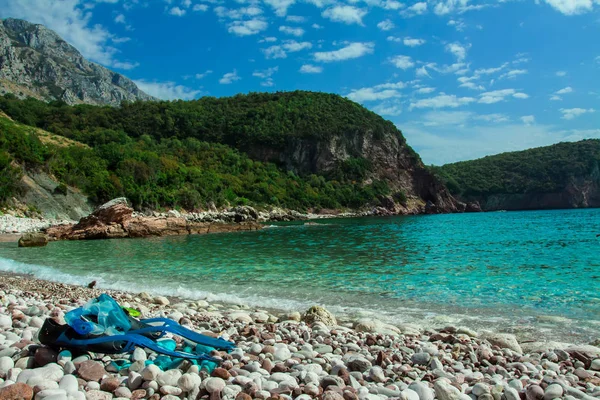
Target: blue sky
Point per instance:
(461, 78)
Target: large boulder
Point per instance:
(116, 211)
(319, 314)
(33, 239)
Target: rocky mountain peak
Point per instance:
(35, 61)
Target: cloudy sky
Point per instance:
(461, 78)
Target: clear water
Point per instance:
(534, 273)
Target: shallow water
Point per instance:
(534, 273)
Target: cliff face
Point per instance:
(581, 192)
(36, 62)
(389, 159)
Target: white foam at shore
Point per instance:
(401, 315)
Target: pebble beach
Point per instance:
(295, 355)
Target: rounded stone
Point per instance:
(534, 392)
(189, 382)
(214, 385)
(151, 372)
(553, 391)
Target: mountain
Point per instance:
(564, 175)
(299, 150)
(36, 62)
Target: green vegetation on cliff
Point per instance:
(541, 170)
(187, 154)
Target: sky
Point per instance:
(460, 78)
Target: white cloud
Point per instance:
(350, 51)
(561, 73)
(246, 28)
(490, 71)
(204, 74)
(229, 77)
(442, 101)
(311, 69)
(570, 113)
(435, 118)
(458, 50)
(268, 39)
(386, 25)
(403, 62)
(416, 9)
(295, 18)
(200, 7)
(372, 94)
(120, 19)
(266, 75)
(413, 42)
(288, 30)
(425, 90)
(316, 26)
(494, 118)
(394, 39)
(186, 3)
(387, 109)
(125, 65)
(472, 86)
(496, 96)
(555, 98)
(288, 46)
(346, 14)
(176, 11)
(71, 22)
(513, 74)
(571, 7)
(167, 90)
(528, 119)
(280, 6)
(566, 90)
(239, 13)
(422, 72)
(458, 25)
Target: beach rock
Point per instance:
(138, 394)
(189, 382)
(554, 391)
(161, 301)
(151, 372)
(511, 394)
(319, 314)
(421, 358)
(534, 392)
(422, 389)
(69, 383)
(98, 395)
(33, 239)
(359, 364)
(445, 391)
(109, 384)
(91, 370)
(503, 340)
(214, 385)
(5, 322)
(123, 392)
(376, 374)
(16, 391)
(6, 363)
(169, 378)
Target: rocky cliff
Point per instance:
(36, 62)
(564, 175)
(386, 156)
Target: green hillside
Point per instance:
(187, 154)
(540, 170)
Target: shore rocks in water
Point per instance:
(33, 239)
(116, 219)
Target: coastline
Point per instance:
(280, 357)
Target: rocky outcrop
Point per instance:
(116, 219)
(36, 62)
(390, 160)
(33, 239)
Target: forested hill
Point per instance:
(564, 175)
(294, 149)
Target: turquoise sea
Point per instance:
(534, 273)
